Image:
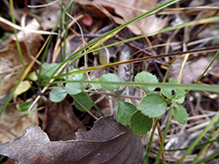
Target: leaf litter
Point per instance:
(107, 135)
(201, 107)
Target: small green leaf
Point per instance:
(103, 57)
(33, 76)
(85, 100)
(80, 76)
(153, 105)
(124, 112)
(74, 88)
(109, 78)
(24, 107)
(147, 78)
(48, 70)
(57, 94)
(173, 81)
(168, 91)
(22, 87)
(96, 86)
(179, 99)
(180, 113)
(177, 91)
(140, 123)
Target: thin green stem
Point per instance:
(205, 70)
(164, 136)
(148, 147)
(15, 33)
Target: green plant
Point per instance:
(140, 119)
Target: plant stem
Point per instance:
(164, 136)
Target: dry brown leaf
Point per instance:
(107, 142)
(10, 61)
(60, 122)
(13, 123)
(192, 70)
(130, 9)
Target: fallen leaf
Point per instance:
(10, 63)
(60, 122)
(13, 123)
(128, 10)
(191, 71)
(107, 142)
(22, 87)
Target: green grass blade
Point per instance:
(215, 118)
(192, 23)
(208, 158)
(194, 87)
(15, 33)
(152, 11)
(204, 149)
(164, 136)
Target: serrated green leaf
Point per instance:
(57, 94)
(140, 123)
(153, 105)
(74, 88)
(109, 78)
(85, 100)
(180, 113)
(147, 78)
(24, 107)
(124, 112)
(96, 86)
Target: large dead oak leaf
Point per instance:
(107, 142)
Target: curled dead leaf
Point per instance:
(107, 142)
(60, 122)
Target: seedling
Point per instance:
(140, 118)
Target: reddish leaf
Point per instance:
(107, 142)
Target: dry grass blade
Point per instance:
(26, 29)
